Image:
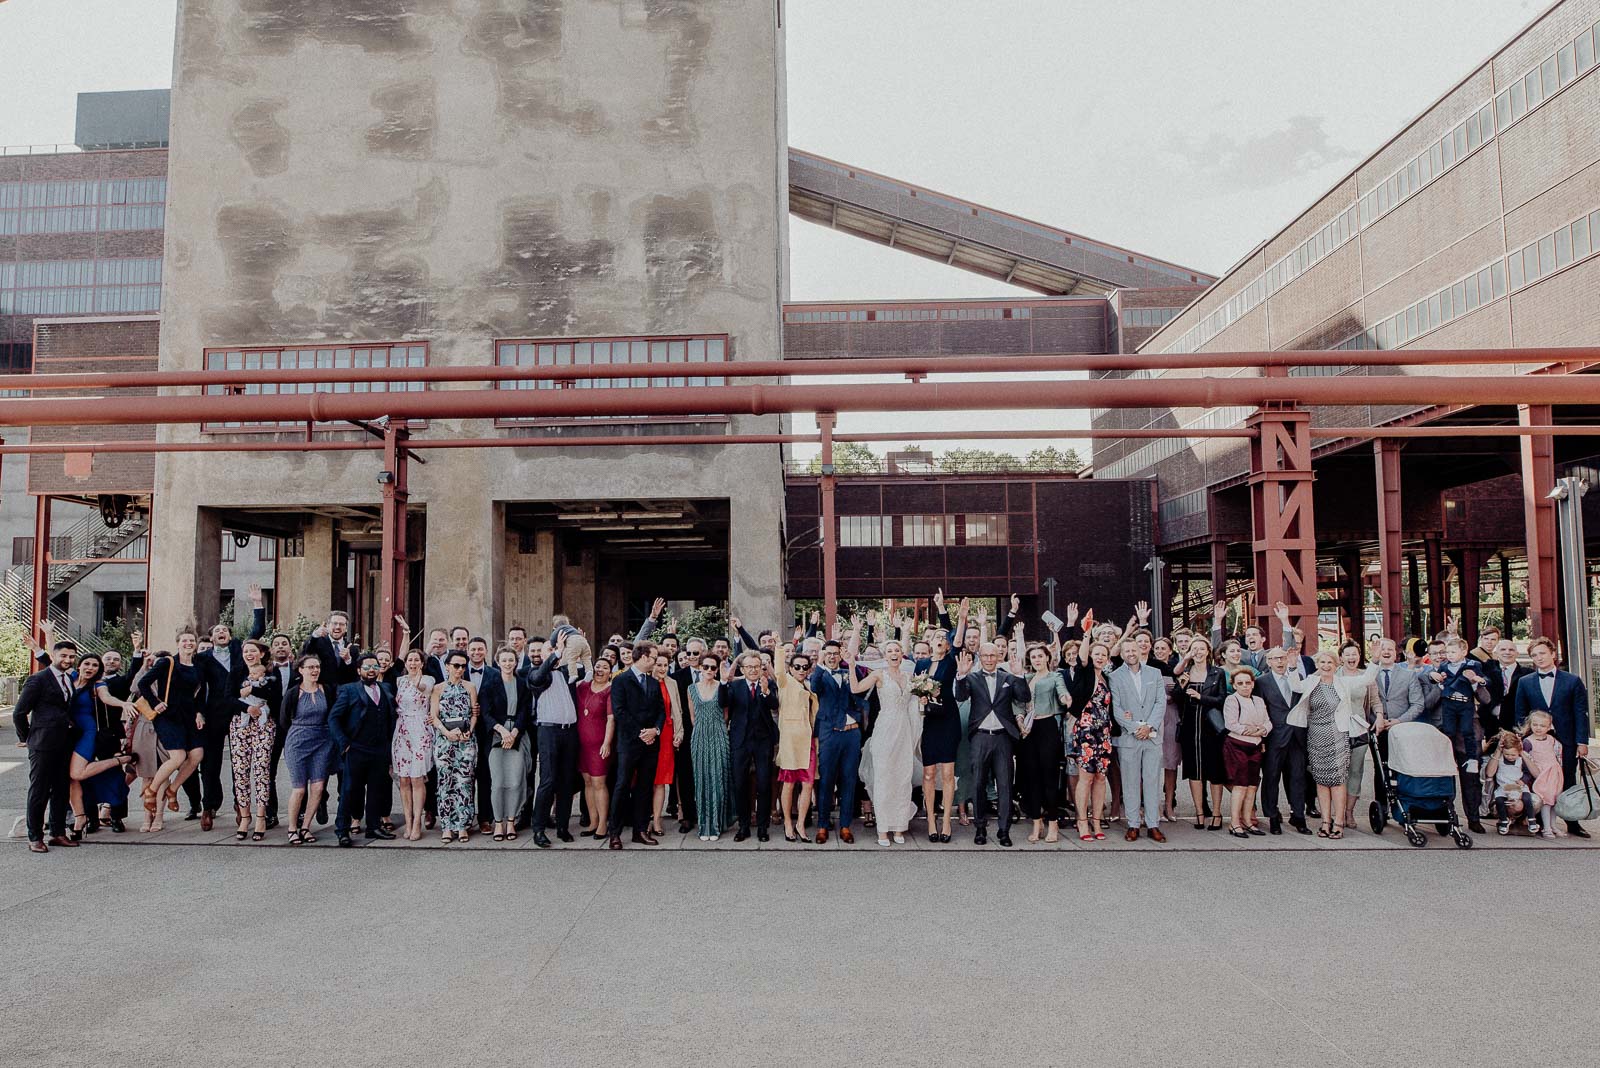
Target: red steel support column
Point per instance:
(394, 570)
(1219, 575)
(1469, 568)
(1283, 526)
(1438, 589)
(1355, 608)
(830, 532)
(41, 566)
(1539, 517)
(1416, 595)
(1386, 457)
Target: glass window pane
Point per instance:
(1547, 255)
(1530, 263)
(1563, 247)
(1445, 300)
(1434, 310)
(1498, 272)
(1565, 64)
(1472, 294)
(1530, 87)
(1580, 238)
(1516, 274)
(1547, 75)
(1471, 126)
(1585, 53)
(1502, 109)
(1458, 297)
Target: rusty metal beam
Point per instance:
(1386, 464)
(1001, 395)
(966, 363)
(1539, 520)
(393, 572)
(830, 535)
(41, 566)
(1283, 526)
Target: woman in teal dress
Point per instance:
(708, 749)
(455, 749)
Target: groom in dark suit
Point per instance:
(362, 726)
(753, 733)
(640, 713)
(43, 718)
(1563, 695)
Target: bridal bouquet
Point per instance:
(926, 687)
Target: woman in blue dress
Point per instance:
(96, 782)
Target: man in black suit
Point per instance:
(281, 666)
(640, 714)
(752, 734)
(993, 731)
(224, 671)
(1505, 673)
(332, 645)
(43, 719)
(362, 725)
(1565, 698)
(1283, 763)
(478, 669)
(433, 655)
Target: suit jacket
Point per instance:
(636, 704)
(335, 672)
(433, 666)
(494, 705)
(1404, 702)
(1505, 697)
(751, 719)
(1568, 708)
(236, 670)
(1135, 708)
(835, 700)
(1008, 691)
(1278, 709)
(222, 692)
(43, 714)
(352, 706)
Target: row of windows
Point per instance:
(1558, 70)
(1191, 503)
(922, 531)
(1148, 316)
(604, 353)
(377, 357)
(80, 287)
(82, 206)
(266, 548)
(904, 315)
(1147, 456)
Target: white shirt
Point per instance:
(64, 681)
(223, 656)
(554, 706)
(1136, 674)
(1547, 686)
(991, 722)
(1284, 687)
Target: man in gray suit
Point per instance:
(1139, 703)
(1399, 688)
(993, 730)
(1284, 762)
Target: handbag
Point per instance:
(1216, 722)
(148, 710)
(1581, 801)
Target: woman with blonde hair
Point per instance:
(1332, 709)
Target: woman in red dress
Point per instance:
(596, 738)
(671, 737)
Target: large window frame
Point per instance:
(377, 355)
(659, 352)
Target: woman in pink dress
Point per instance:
(596, 732)
(413, 742)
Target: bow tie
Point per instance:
(1547, 674)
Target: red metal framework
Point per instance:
(1386, 459)
(1284, 539)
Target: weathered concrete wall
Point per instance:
(459, 171)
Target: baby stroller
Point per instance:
(1418, 782)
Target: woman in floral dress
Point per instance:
(413, 742)
(455, 749)
(1091, 737)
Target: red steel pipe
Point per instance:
(764, 400)
(871, 365)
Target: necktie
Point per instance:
(1385, 686)
(372, 692)
(752, 691)
(66, 688)
(1283, 685)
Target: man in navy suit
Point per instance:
(43, 718)
(1564, 696)
(362, 726)
(838, 731)
(753, 733)
(640, 712)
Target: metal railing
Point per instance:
(16, 597)
(986, 466)
(61, 149)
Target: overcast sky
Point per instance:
(1185, 129)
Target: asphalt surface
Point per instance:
(188, 949)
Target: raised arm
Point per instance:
(258, 612)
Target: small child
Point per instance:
(1512, 798)
(1543, 754)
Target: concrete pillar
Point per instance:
(185, 570)
(305, 582)
(755, 541)
(207, 568)
(462, 587)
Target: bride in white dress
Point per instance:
(890, 765)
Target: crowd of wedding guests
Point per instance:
(883, 721)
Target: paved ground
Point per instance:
(187, 949)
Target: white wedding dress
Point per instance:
(891, 767)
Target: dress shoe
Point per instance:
(683, 826)
(616, 842)
(322, 811)
(192, 816)
(1156, 835)
(272, 822)
(116, 825)
(207, 820)
(1476, 827)
(541, 839)
(1275, 824)
(1314, 812)
(741, 834)
(848, 837)
(980, 837)
(1004, 840)
(345, 842)
(643, 838)
(381, 834)
(763, 836)
(1132, 835)
(1299, 826)
(1575, 829)
(62, 840)
(38, 847)
(564, 834)
(822, 836)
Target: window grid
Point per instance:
(865, 531)
(985, 528)
(376, 357)
(675, 352)
(82, 206)
(925, 531)
(904, 315)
